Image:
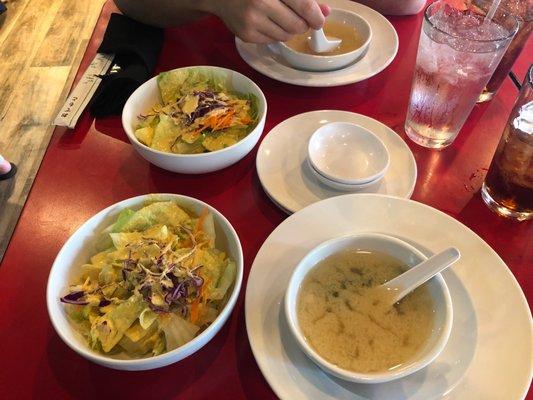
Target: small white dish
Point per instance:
(325, 62)
(407, 254)
(343, 187)
(147, 95)
(80, 247)
(348, 153)
(489, 352)
(381, 52)
(287, 178)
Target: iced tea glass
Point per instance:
(523, 10)
(508, 187)
(457, 54)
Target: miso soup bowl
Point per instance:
(442, 304)
(311, 62)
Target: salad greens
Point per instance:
(200, 113)
(159, 282)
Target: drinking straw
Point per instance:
(492, 10)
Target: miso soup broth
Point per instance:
(351, 324)
(351, 39)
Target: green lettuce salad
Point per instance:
(199, 113)
(157, 283)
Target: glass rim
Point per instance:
(509, 36)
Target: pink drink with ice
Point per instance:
(457, 54)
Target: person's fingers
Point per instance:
(309, 10)
(273, 31)
(265, 21)
(286, 18)
(246, 24)
(325, 9)
(258, 28)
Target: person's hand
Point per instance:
(266, 21)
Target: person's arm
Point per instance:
(163, 13)
(395, 7)
(258, 21)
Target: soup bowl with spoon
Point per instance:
(353, 42)
(419, 270)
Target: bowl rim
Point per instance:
(293, 288)
(52, 298)
(130, 132)
(339, 186)
(363, 46)
(346, 181)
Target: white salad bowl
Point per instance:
(442, 304)
(311, 62)
(147, 95)
(348, 154)
(81, 246)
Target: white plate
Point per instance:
(287, 178)
(489, 353)
(381, 52)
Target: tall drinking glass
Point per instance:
(457, 54)
(523, 10)
(508, 187)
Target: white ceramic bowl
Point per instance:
(311, 62)
(343, 187)
(79, 248)
(348, 153)
(147, 95)
(443, 312)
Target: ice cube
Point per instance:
(466, 25)
(524, 120)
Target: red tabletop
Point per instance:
(93, 166)
(524, 61)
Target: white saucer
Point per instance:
(381, 52)
(489, 353)
(286, 176)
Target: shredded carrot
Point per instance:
(245, 120)
(195, 308)
(216, 122)
(229, 118)
(210, 122)
(195, 305)
(201, 220)
(187, 243)
(224, 121)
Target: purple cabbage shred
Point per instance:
(74, 298)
